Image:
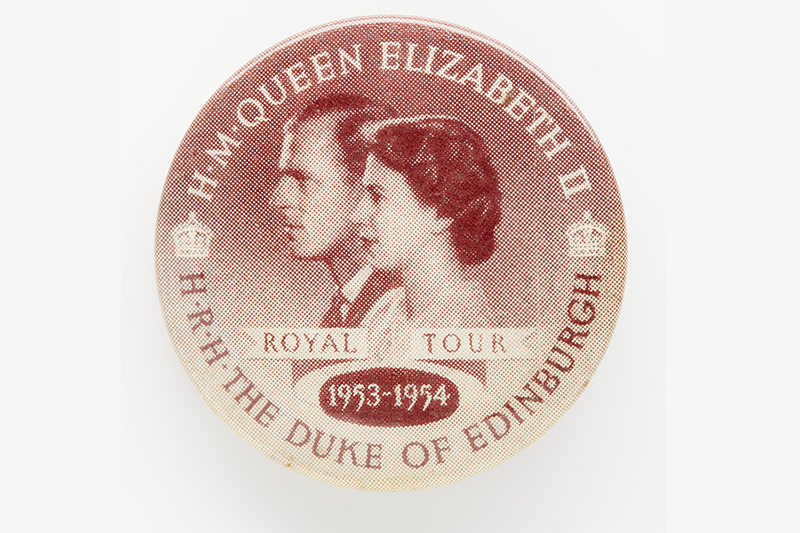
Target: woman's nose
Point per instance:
(362, 211)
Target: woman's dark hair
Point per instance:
(446, 165)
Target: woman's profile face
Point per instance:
(394, 225)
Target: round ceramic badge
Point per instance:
(390, 253)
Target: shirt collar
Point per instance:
(351, 289)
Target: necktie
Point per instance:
(333, 318)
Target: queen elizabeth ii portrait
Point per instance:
(429, 214)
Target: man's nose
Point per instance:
(285, 194)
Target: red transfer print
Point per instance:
(390, 253)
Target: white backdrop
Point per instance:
(602, 467)
(699, 101)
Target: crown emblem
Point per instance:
(192, 238)
(587, 238)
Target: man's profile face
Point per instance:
(315, 194)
